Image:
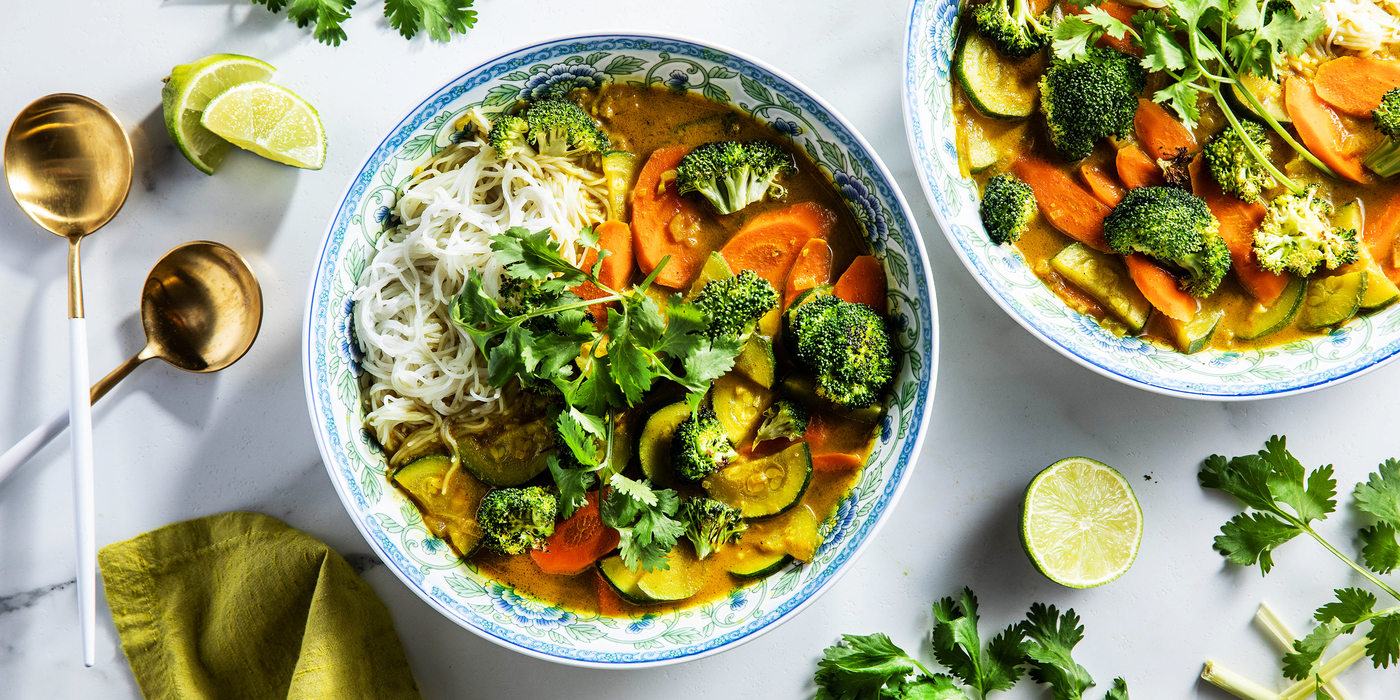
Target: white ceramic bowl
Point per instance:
(1306, 365)
(389, 521)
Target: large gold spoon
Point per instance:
(201, 309)
(68, 163)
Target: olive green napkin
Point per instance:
(242, 606)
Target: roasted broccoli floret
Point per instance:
(554, 126)
(1177, 229)
(517, 520)
(1235, 167)
(1088, 100)
(734, 174)
(785, 419)
(1012, 27)
(1008, 205)
(1297, 236)
(735, 304)
(1176, 170)
(710, 524)
(1385, 159)
(700, 446)
(846, 346)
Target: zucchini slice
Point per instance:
(450, 516)
(683, 577)
(620, 172)
(762, 488)
(1331, 301)
(754, 563)
(622, 580)
(1193, 336)
(739, 405)
(1105, 278)
(1380, 291)
(993, 83)
(757, 361)
(1271, 319)
(715, 268)
(802, 534)
(1269, 94)
(507, 454)
(654, 444)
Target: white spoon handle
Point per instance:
(31, 444)
(84, 502)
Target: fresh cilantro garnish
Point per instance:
(439, 18)
(956, 645)
(1051, 639)
(865, 668)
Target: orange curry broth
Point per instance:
(641, 120)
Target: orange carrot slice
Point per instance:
(1066, 204)
(1120, 12)
(656, 218)
(1238, 221)
(1137, 169)
(577, 542)
(616, 238)
(833, 461)
(770, 242)
(863, 282)
(1104, 186)
(1382, 223)
(1161, 288)
(1355, 85)
(1161, 134)
(1321, 129)
(812, 269)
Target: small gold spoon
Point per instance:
(201, 309)
(68, 163)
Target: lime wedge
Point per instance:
(189, 90)
(1081, 525)
(271, 121)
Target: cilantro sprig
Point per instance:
(871, 667)
(599, 372)
(1202, 47)
(440, 19)
(1284, 500)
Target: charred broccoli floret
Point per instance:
(1177, 229)
(785, 419)
(1012, 27)
(1297, 236)
(1176, 170)
(554, 126)
(1234, 167)
(1090, 99)
(846, 346)
(517, 520)
(1008, 205)
(710, 524)
(1385, 159)
(735, 304)
(699, 446)
(734, 174)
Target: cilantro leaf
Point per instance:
(935, 687)
(1352, 606)
(644, 521)
(1380, 495)
(1245, 478)
(1119, 691)
(861, 667)
(632, 368)
(534, 256)
(1307, 652)
(1381, 550)
(1288, 34)
(1161, 52)
(573, 485)
(1310, 500)
(1073, 37)
(1383, 645)
(324, 15)
(439, 18)
(1251, 537)
(1052, 637)
(706, 364)
(956, 644)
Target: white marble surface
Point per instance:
(172, 446)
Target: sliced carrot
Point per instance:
(818, 432)
(658, 216)
(770, 242)
(1238, 221)
(1066, 204)
(1355, 85)
(812, 269)
(577, 542)
(1321, 129)
(610, 604)
(616, 238)
(832, 461)
(1160, 132)
(1161, 288)
(1105, 187)
(1120, 12)
(1137, 169)
(1382, 223)
(863, 282)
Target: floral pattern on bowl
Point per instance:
(1360, 346)
(394, 527)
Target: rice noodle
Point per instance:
(1364, 26)
(422, 369)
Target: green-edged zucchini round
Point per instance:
(757, 361)
(715, 268)
(654, 444)
(1269, 94)
(507, 454)
(1331, 301)
(451, 516)
(682, 578)
(739, 405)
(622, 580)
(992, 82)
(753, 563)
(1278, 315)
(763, 488)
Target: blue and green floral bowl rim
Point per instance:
(509, 618)
(1360, 346)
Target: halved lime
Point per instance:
(271, 121)
(1081, 525)
(190, 88)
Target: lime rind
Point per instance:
(271, 121)
(189, 90)
(1081, 524)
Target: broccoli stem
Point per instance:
(1234, 683)
(1252, 147)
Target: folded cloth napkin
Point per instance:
(242, 606)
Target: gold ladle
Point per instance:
(201, 309)
(68, 162)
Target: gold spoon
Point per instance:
(201, 309)
(68, 162)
